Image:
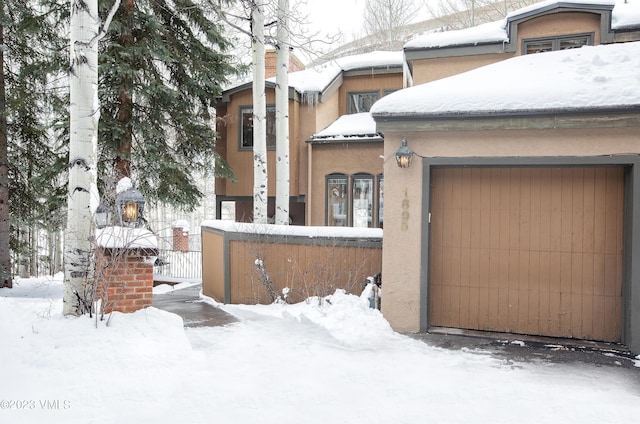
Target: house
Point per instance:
(520, 210)
(335, 178)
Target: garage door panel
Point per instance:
(527, 250)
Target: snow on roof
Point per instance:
(318, 78)
(492, 32)
(546, 3)
(359, 125)
(604, 76)
(124, 237)
(626, 15)
(293, 230)
(371, 60)
(623, 15)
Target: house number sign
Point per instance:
(404, 224)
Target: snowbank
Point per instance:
(324, 360)
(124, 237)
(293, 230)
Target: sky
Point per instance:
(336, 15)
(330, 360)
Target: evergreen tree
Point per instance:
(162, 64)
(32, 54)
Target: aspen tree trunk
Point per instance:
(282, 115)
(84, 114)
(260, 177)
(5, 250)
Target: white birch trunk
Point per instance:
(260, 177)
(82, 198)
(282, 115)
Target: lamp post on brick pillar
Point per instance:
(125, 257)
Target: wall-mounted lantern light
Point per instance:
(130, 205)
(103, 215)
(404, 155)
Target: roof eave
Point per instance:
(602, 117)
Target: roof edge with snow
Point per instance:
(633, 111)
(501, 36)
(310, 85)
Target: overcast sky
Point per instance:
(337, 15)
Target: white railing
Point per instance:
(179, 264)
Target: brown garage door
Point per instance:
(527, 250)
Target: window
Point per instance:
(228, 210)
(352, 200)
(556, 43)
(362, 200)
(362, 101)
(246, 127)
(337, 211)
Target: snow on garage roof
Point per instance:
(626, 15)
(593, 77)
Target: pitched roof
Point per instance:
(310, 82)
(623, 16)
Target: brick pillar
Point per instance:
(124, 278)
(180, 239)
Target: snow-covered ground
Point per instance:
(334, 361)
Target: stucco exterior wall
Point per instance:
(345, 158)
(372, 82)
(559, 24)
(241, 161)
(427, 70)
(402, 234)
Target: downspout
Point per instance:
(308, 209)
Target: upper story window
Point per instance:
(361, 101)
(246, 127)
(540, 45)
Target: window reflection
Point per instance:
(362, 201)
(337, 213)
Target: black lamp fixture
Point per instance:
(130, 205)
(404, 155)
(103, 215)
